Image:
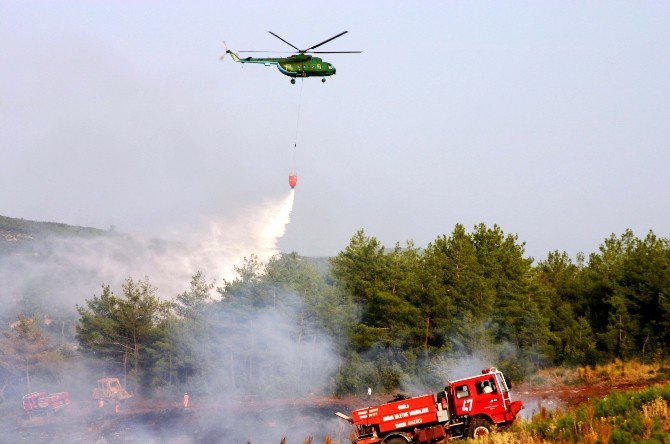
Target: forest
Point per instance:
(371, 316)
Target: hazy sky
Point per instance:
(551, 119)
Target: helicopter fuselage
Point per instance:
(299, 65)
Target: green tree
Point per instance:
(246, 289)
(124, 327)
(454, 282)
(23, 347)
(571, 339)
(518, 315)
(361, 269)
(184, 347)
(193, 304)
(627, 286)
(645, 284)
(321, 307)
(289, 292)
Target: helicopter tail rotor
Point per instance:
(228, 51)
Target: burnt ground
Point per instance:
(87, 425)
(208, 421)
(256, 420)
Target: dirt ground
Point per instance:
(213, 420)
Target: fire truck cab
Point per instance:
(485, 400)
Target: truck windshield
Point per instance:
(501, 382)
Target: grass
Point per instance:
(619, 372)
(620, 418)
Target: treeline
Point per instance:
(378, 317)
(269, 332)
(476, 293)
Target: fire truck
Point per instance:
(469, 407)
(39, 403)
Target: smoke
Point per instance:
(66, 270)
(434, 374)
(271, 367)
(264, 365)
(225, 244)
(455, 368)
(270, 351)
(536, 403)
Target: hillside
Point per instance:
(15, 231)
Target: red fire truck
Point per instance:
(466, 407)
(42, 404)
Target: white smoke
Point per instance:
(270, 364)
(226, 243)
(68, 270)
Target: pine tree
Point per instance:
(124, 327)
(24, 346)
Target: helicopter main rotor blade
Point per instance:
(325, 41)
(289, 44)
(333, 52)
(273, 52)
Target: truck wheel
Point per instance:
(395, 440)
(480, 427)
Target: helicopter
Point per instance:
(300, 64)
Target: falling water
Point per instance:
(227, 242)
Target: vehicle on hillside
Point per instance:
(41, 404)
(468, 407)
(110, 389)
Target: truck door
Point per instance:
(487, 399)
(463, 399)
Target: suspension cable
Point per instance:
(297, 127)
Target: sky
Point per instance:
(550, 119)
